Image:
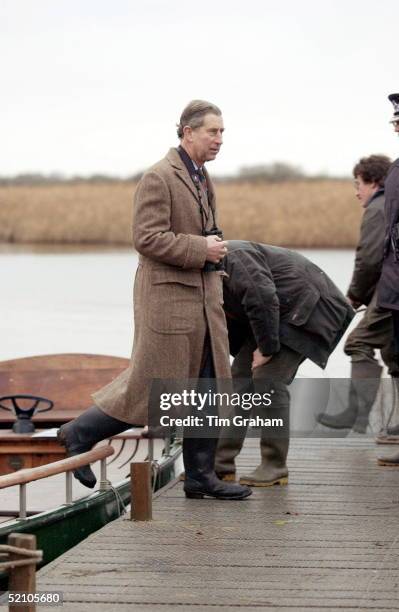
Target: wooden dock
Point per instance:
(327, 541)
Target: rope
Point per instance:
(155, 468)
(119, 500)
(33, 556)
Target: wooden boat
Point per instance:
(58, 519)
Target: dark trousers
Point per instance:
(199, 452)
(274, 377)
(374, 331)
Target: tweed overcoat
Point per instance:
(175, 301)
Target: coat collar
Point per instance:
(175, 161)
(180, 169)
(377, 194)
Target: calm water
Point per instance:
(69, 299)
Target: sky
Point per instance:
(96, 86)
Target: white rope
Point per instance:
(155, 469)
(119, 500)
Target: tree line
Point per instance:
(273, 172)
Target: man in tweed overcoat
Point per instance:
(180, 326)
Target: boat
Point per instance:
(59, 513)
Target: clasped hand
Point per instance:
(217, 249)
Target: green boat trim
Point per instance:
(60, 529)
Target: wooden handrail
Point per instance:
(58, 467)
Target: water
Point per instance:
(79, 300)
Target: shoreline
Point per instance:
(294, 214)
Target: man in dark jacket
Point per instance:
(388, 287)
(374, 331)
(281, 309)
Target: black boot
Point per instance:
(81, 434)
(201, 480)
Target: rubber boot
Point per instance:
(227, 450)
(81, 434)
(392, 461)
(201, 480)
(365, 382)
(273, 467)
(390, 433)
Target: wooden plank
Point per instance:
(327, 541)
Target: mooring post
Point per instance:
(22, 579)
(141, 491)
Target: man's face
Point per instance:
(364, 191)
(203, 143)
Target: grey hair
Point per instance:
(194, 113)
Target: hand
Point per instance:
(217, 249)
(259, 360)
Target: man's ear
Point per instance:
(187, 133)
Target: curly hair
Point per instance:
(373, 169)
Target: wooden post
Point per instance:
(22, 578)
(141, 493)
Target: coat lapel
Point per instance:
(181, 171)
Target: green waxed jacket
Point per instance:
(281, 297)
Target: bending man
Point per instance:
(281, 309)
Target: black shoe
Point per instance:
(81, 434)
(201, 480)
(213, 487)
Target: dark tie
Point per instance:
(201, 177)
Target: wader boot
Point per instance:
(226, 452)
(390, 434)
(81, 434)
(201, 479)
(392, 461)
(273, 468)
(365, 382)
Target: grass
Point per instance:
(303, 213)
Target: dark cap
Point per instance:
(394, 98)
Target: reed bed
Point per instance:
(303, 213)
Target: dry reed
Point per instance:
(298, 213)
